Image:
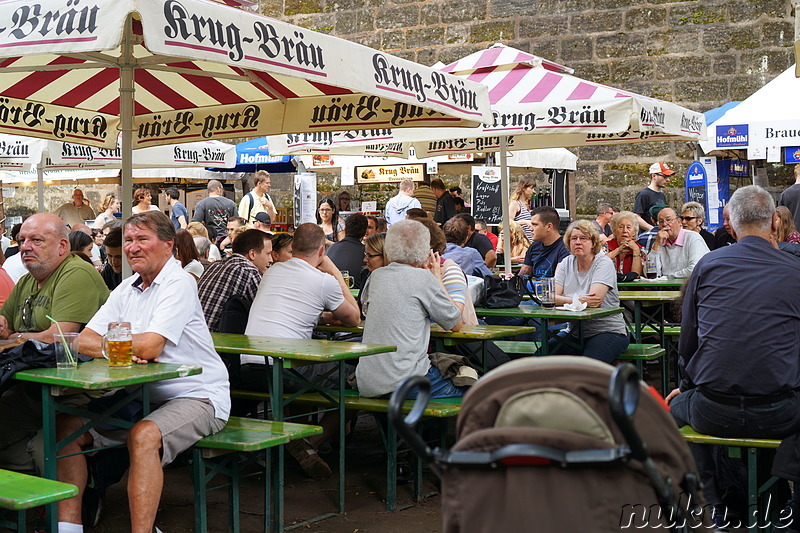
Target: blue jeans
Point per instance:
(440, 387)
(773, 421)
(604, 346)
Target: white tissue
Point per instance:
(576, 304)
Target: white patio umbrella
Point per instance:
(39, 159)
(172, 71)
(535, 104)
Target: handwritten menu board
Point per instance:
(487, 202)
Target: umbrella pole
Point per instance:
(504, 194)
(126, 90)
(40, 184)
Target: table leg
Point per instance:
(341, 411)
(277, 414)
(49, 434)
(637, 321)
(544, 349)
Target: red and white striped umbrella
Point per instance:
(535, 104)
(171, 71)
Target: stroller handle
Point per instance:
(623, 398)
(405, 426)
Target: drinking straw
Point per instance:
(63, 340)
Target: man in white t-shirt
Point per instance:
(160, 301)
(291, 299)
(258, 200)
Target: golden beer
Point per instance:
(119, 353)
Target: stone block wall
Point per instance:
(697, 53)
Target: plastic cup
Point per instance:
(66, 347)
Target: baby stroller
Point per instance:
(551, 445)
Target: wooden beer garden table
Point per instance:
(658, 300)
(555, 314)
(94, 375)
(480, 333)
(294, 353)
(644, 283)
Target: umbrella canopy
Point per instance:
(27, 153)
(768, 117)
(560, 158)
(253, 155)
(535, 104)
(203, 70)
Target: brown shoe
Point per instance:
(312, 464)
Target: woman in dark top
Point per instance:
(692, 217)
(328, 220)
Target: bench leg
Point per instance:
(391, 468)
(752, 488)
(233, 493)
(200, 501)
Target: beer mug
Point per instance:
(117, 345)
(546, 292)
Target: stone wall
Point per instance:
(697, 53)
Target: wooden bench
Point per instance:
(20, 492)
(634, 352)
(219, 454)
(648, 352)
(439, 408)
(750, 448)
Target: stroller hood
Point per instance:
(559, 402)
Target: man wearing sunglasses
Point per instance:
(60, 285)
(652, 195)
(677, 251)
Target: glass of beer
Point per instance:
(546, 292)
(117, 345)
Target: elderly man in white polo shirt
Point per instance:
(160, 301)
(676, 250)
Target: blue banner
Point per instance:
(735, 136)
(791, 155)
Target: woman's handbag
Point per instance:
(504, 293)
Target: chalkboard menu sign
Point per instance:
(487, 202)
(696, 185)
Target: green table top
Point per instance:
(355, 292)
(478, 332)
(650, 296)
(648, 283)
(312, 350)
(96, 375)
(20, 491)
(245, 434)
(535, 311)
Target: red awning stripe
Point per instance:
(274, 84)
(162, 91)
(329, 90)
(81, 92)
(508, 83)
(583, 91)
(542, 89)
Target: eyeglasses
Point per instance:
(666, 221)
(372, 256)
(688, 218)
(582, 238)
(325, 210)
(27, 313)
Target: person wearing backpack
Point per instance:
(397, 206)
(258, 199)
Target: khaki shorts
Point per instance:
(182, 422)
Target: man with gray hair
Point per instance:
(397, 206)
(214, 211)
(741, 381)
(605, 212)
(676, 250)
(402, 317)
